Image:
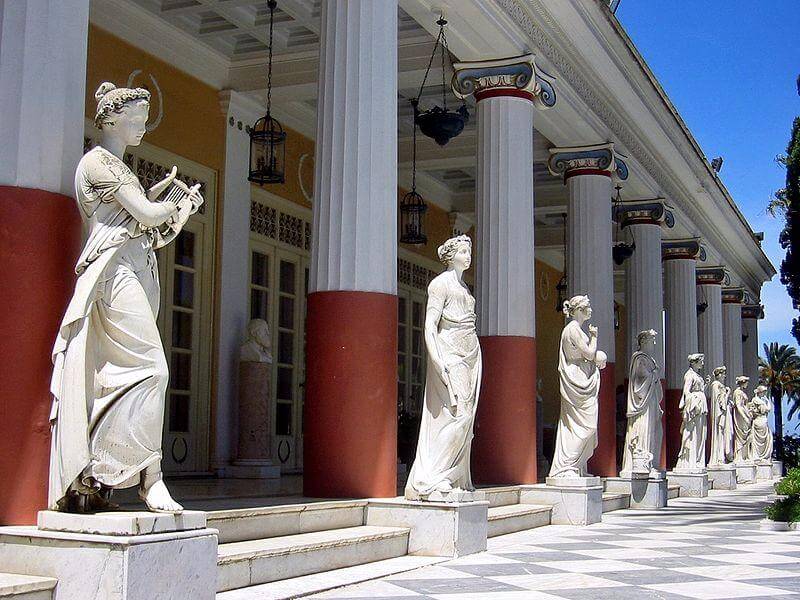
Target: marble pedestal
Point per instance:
(693, 485)
(763, 470)
(255, 442)
(252, 468)
(745, 473)
(777, 469)
(722, 477)
(437, 528)
(576, 501)
(644, 492)
(117, 556)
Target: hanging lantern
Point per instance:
(267, 137)
(439, 123)
(621, 251)
(412, 206)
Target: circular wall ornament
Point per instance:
(155, 91)
(305, 171)
(284, 451)
(544, 286)
(179, 450)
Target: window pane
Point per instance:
(181, 330)
(284, 391)
(416, 309)
(286, 312)
(416, 345)
(184, 249)
(183, 294)
(178, 412)
(258, 304)
(181, 375)
(401, 309)
(401, 339)
(283, 419)
(286, 347)
(260, 274)
(287, 277)
(416, 370)
(401, 367)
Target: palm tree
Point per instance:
(780, 372)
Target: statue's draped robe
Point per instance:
(693, 406)
(644, 412)
(760, 435)
(743, 422)
(442, 461)
(110, 373)
(721, 432)
(579, 384)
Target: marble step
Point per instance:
(253, 562)
(615, 501)
(502, 496)
(26, 587)
(673, 491)
(244, 524)
(511, 518)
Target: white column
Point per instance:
(42, 92)
(750, 348)
(709, 321)
(234, 272)
(732, 333)
(355, 186)
(680, 305)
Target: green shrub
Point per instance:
(790, 484)
(785, 509)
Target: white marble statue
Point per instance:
(441, 469)
(694, 408)
(721, 419)
(742, 420)
(761, 435)
(258, 345)
(579, 364)
(110, 376)
(643, 438)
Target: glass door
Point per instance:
(411, 359)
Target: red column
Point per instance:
(672, 430)
(604, 460)
(41, 241)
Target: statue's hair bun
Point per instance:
(104, 88)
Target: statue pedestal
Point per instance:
(722, 477)
(255, 442)
(763, 470)
(777, 469)
(644, 492)
(118, 555)
(693, 485)
(575, 501)
(437, 528)
(745, 473)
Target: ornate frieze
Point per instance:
(753, 311)
(733, 295)
(599, 159)
(515, 76)
(643, 212)
(712, 275)
(689, 248)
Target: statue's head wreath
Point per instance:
(448, 250)
(111, 100)
(575, 303)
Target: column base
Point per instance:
(745, 472)
(763, 470)
(252, 469)
(574, 502)
(693, 485)
(449, 529)
(117, 556)
(777, 469)
(645, 493)
(722, 477)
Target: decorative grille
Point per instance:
(263, 219)
(290, 230)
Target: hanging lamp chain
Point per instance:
(443, 38)
(271, 4)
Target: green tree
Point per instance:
(780, 372)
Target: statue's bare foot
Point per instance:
(158, 499)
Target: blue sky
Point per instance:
(730, 68)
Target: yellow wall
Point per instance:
(549, 324)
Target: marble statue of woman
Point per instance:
(721, 429)
(761, 436)
(441, 469)
(579, 364)
(694, 408)
(742, 420)
(643, 438)
(110, 372)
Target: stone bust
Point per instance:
(258, 345)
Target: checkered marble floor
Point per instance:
(695, 548)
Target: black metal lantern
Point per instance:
(438, 123)
(621, 251)
(267, 137)
(412, 206)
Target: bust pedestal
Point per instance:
(575, 501)
(777, 469)
(722, 477)
(692, 483)
(255, 442)
(763, 470)
(745, 472)
(645, 492)
(117, 555)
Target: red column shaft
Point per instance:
(40, 233)
(504, 448)
(350, 433)
(604, 460)
(672, 431)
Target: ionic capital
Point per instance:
(712, 276)
(733, 295)
(599, 159)
(753, 311)
(687, 248)
(644, 212)
(516, 76)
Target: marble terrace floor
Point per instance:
(696, 548)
